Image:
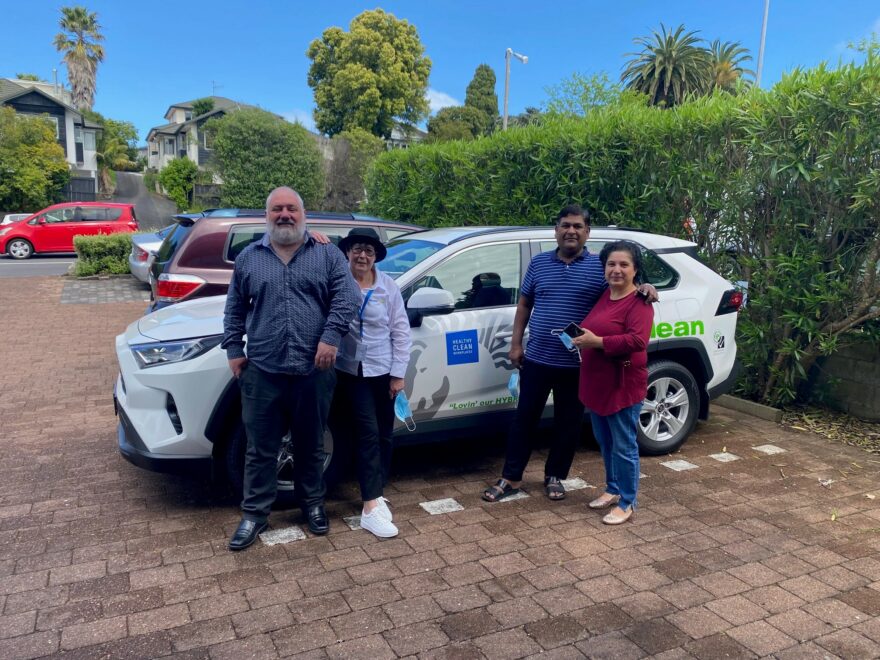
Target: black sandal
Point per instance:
(499, 491)
(554, 488)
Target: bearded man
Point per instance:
(294, 299)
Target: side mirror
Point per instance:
(41, 221)
(428, 301)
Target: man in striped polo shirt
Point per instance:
(560, 287)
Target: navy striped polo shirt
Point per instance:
(561, 293)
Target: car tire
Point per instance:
(18, 248)
(669, 411)
(285, 498)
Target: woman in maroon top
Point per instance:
(614, 375)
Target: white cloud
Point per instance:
(437, 100)
(304, 117)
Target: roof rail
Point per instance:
(504, 229)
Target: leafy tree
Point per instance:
(353, 153)
(670, 67)
(203, 105)
(726, 60)
(458, 122)
(369, 77)
(481, 95)
(530, 117)
(78, 40)
(257, 151)
(33, 170)
(27, 76)
(579, 94)
(178, 179)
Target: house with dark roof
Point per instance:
(76, 134)
(183, 135)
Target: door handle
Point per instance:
(504, 335)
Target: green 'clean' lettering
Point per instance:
(677, 329)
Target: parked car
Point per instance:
(179, 406)
(9, 218)
(143, 251)
(195, 260)
(53, 228)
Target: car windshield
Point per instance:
(404, 253)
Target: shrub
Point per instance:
(102, 254)
(178, 178)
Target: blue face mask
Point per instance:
(403, 412)
(513, 384)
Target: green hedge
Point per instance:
(102, 255)
(781, 187)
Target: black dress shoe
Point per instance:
(246, 534)
(317, 519)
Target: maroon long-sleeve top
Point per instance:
(616, 376)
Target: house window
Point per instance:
(169, 146)
(207, 139)
(187, 115)
(89, 140)
(51, 118)
(77, 134)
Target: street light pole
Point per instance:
(522, 58)
(763, 39)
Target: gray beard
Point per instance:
(286, 234)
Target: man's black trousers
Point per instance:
(536, 383)
(273, 405)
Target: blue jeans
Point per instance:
(616, 435)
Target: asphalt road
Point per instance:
(153, 211)
(38, 265)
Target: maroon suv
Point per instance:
(195, 260)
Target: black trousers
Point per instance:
(272, 405)
(536, 383)
(369, 410)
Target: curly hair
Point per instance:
(634, 251)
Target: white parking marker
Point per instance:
(724, 457)
(575, 483)
(769, 449)
(679, 465)
(283, 535)
(446, 505)
(353, 522)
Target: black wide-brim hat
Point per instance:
(365, 235)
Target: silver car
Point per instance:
(143, 249)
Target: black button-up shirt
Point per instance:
(286, 309)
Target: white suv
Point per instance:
(179, 407)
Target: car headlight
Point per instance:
(166, 352)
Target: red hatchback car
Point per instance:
(53, 228)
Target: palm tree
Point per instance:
(727, 61)
(112, 154)
(82, 52)
(671, 66)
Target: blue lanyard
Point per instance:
(361, 312)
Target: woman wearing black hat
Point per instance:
(371, 366)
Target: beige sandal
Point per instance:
(615, 518)
(604, 501)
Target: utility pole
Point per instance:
(763, 39)
(507, 55)
(214, 87)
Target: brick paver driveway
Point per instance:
(743, 558)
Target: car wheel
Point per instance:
(235, 456)
(669, 411)
(18, 248)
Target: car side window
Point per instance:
(91, 214)
(333, 232)
(484, 276)
(239, 238)
(59, 215)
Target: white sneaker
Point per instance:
(386, 510)
(378, 522)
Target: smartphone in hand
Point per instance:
(573, 330)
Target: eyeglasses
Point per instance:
(363, 249)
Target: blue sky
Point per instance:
(162, 52)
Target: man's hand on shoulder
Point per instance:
(325, 357)
(237, 365)
(323, 239)
(649, 293)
